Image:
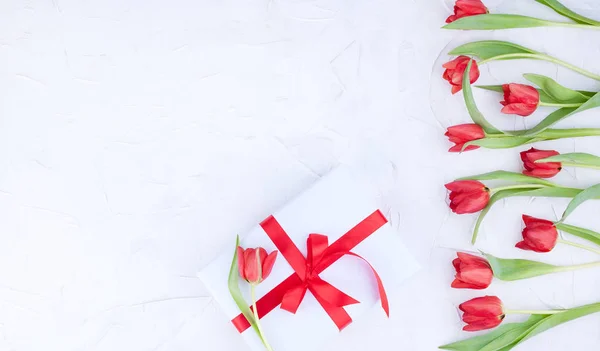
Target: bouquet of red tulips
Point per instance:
(471, 195)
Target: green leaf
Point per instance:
(509, 176)
(496, 21)
(563, 10)
(488, 49)
(578, 159)
(556, 91)
(474, 112)
(503, 335)
(590, 193)
(552, 192)
(547, 122)
(560, 318)
(496, 88)
(236, 294)
(500, 143)
(517, 269)
(583, 233)
(588, 93)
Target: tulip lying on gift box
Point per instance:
(333, 242)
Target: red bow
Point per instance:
(291, 291)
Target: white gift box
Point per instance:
(332, 206)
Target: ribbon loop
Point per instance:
(290, 293)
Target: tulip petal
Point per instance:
(240, 261)
(520, 109)
(483, 306)
(268, 264)
(459, 284)
(465, 185)
(251, 265)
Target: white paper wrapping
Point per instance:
(332, 206)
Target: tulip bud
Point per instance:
(472, 272)
(520, 99)
(254, 264)
(540, 169)
(539, 235)
(462, 134)
(465, 8)
(468, 196)
(455, 71)
(482, 313)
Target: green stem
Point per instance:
(577, 267)
(558, 105)
(570, 243)
(533, 312)
(544, 58)
(257, 319)
(567, 133)
(520, 186)
(572, 25)
(580, 165)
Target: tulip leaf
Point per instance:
(556, 91)
(547, 122)
(516, 269)
(488, 49)
(496, 88)
(503, 335)
(577, 159)
(560, 318)
(563, 10)
(590, 193)
(582, 233)
(474, 112)
(500, 143)
(236, 294)
(496, 21)
(552, 192)
(510, 176)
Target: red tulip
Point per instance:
(468, 196)
(472, 272)
(463, 133)
(465, 8)
(539, 235)
(520, 99)
(254, 264)
(455, 70)
(482, 313)
(540, 169)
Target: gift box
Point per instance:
(358, 253)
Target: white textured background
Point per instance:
(138, 137)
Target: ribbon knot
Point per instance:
(320, 255)
(324, 292)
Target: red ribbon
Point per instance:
(290, 293)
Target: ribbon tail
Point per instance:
(293, 298)
(338, 315)
(382, 294)
(330, 293)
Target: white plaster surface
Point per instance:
(138, 137)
